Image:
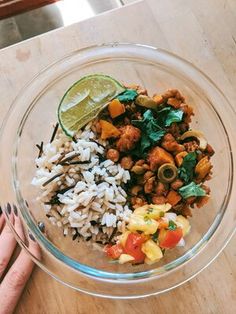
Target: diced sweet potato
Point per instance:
(108, 130)
(173, 198)
(116, 108)
(158, 156)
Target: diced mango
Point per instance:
(149, 262)
(142, 223)
(152, 250)
(125, 258)
(152, 211)
(123, 237)
(183, 223)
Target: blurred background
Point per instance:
(23, 19)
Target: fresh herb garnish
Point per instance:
(147, 220)
(127, 95)
(155, 236)
(151, 131)
(192, 189)
(172, 225)
(150, 210)
(186, 170)
(168, 115)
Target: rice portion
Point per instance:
(81, 191)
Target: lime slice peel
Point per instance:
(85, 99)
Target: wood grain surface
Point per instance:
(204, 32)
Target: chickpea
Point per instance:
(146, 166)
(148, 175)
(113, 154)
(140, 162)
(210, 151)
(148, 186)
(138, 169)
(142, 91)
(98, 127)
(160, 189)
(126, 162)
(137, 201)
(136, 189)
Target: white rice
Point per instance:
(96, 202)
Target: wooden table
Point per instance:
(190, 29)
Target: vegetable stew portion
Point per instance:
(151, 137)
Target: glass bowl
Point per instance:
(29, 121)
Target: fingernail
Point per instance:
(0, 210)
(8, 209)
(41, 226)
(31, 237)
(15, 210)
(26, 203)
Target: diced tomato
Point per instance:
(113, 251)
(133, 246)
(169, 238)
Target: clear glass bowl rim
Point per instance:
(127, 277)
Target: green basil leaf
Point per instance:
(174, 116)
(151, 131)
(127, 95)
(192, 189)
(186, 170)
(168, 115)
(155, 236)
(172, 225)
(145, 143)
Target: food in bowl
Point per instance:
(123, 169)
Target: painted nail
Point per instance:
(0, 210)
(41, 226)
(9, 209)
(15, 210)
(31, 237)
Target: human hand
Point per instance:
(13, 280)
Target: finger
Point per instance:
(34, 247)
(7, 243)
(18, 224)
(14, 282)
(1, 219)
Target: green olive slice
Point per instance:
(167, 173)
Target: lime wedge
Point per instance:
(85, 99)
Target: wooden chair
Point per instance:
(12, 7)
